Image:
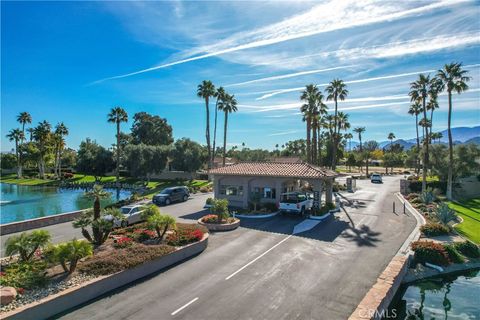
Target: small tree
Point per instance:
(161, 223)
(255, 199)
(101, 225)
(351, 161)
(68, 254)
(26, 244)
(220, 209)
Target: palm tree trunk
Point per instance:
(215, 132)
(308, 140)
(207, 134)
(225, 139)
(334, 140)
(19, 169)
(418, 144)
(117, 169)
(319, 146)
(450, 149)
(60, 163)
(314, 142)
(425, 153)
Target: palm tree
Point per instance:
(17, 136)
(60, 131)
(117, 115)
(42, 136)
(337, 89)
(220, 95)
(416, 109)
(359, 131)
(452, 79)
(30, 131)
(24, 118)
(97, 193)
(390, 137)
(419, 91)
(311, 96)
(227, 105)
(349, 138)
(206, 90)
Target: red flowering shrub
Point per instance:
(185, 234)
(142, 235)
(122, 242)
(431, 252)
(210, 218)
(20, 290)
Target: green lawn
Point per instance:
(469, 211)
(154, 186)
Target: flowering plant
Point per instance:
(210, 218)
(123, 242)
(143, 234)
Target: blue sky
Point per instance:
(73, 61)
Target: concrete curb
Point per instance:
(220, 227)
(25, 225)
(415, 234)
(72, 297)
(325, 216)
(259, 216)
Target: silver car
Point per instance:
(376, 178)
(131, 214)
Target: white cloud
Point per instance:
(283, 133)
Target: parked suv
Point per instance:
(296, 202)
(376, 178)
(170, 195)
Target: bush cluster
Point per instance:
(25, 275)
(432, 229)
(123, 242)
(123, 259)
(185, 234)
(210, 218)
(431, 252)
(468, 249)
(453, 253)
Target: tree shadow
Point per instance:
(195, 215)
(363, 236)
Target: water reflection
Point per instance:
(449, 297)
(28, 202)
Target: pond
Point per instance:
(20, 203)
(449, 297)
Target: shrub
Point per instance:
(142, 235)
(427, 196)
(270, 206)
(68, 175)
(161, 223)
(453, 254)
(204, 189)
(444, 214)
(123, 259)
(468, 249)
(416, 186)
(26, 244)
(431, 252)
(68, 254)
(149, 211)
(26, 275)
(210, 218)
(185, 234)
(209, 201)
(220, 208)
(123, 242)
(432, 229)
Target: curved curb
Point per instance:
(325, 216)
(257, 216)
(415, 234)
(75, 296)
(220, 227)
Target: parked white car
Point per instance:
(131, 213)
(376, 178)
(296, 202)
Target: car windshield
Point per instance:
(125, 210)
(166, 191)
(293, 198)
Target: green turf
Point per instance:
(469, 211)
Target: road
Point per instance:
(64, 231)
(264, 271)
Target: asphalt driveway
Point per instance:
(264, 271)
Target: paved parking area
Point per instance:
(264, 271)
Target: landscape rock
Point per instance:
(7, 295)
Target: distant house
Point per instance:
(218, 161)
(238, 181)
(285, 159)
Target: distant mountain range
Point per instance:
(460, 135)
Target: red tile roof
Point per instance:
(274, 169)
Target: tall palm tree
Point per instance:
(206, 90)
(17, 136)
(60, 132)
(359, 131)
(416, 109)
(117, 115)
(419, 91)
(30, 132)
(42, 136)
(390, 137)
(227, 105)
(349, 138)
(23, 118)
(452, 79)
(220, 95)
(309, 109)
(337, 89)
